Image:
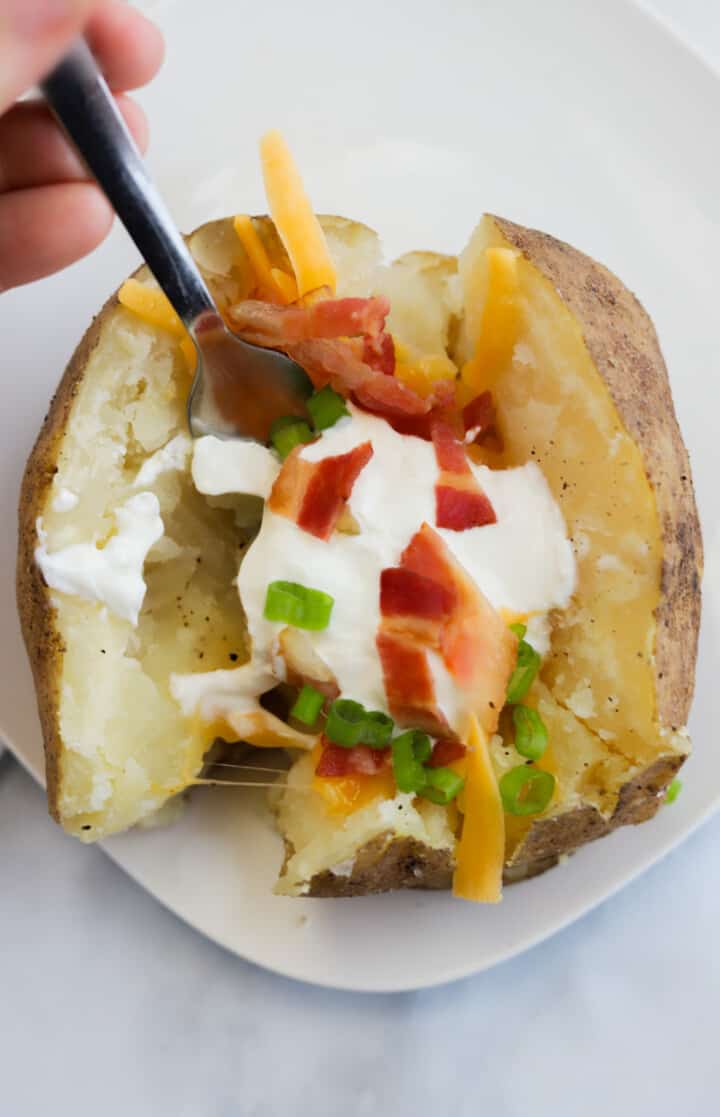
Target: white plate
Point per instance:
(587, 120)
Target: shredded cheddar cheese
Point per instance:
(481, 849)
(153, 306)
(421, 374)
(275, 284)
(295, 221)
(497, 290)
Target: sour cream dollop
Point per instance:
(523, 563)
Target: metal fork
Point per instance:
(239, 389)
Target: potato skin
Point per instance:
(43, 641)
(624, 347)
(388, 863)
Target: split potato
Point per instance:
(580, 386)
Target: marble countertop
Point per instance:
(109, 1005)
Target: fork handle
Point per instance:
(78, 95)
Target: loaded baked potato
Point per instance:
(126, 570)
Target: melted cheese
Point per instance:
(152, 305)
(481, 850)
(295, 221)
(495, 288)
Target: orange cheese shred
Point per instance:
(498, 286)
(295, 221)
(152, 305)
(258, 257)
(481, 850)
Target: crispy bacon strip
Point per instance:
(359, 760)
(445, 752)
(406, 593)
(272, 326)
(460, 503)
(479, 415)
(379, 353)
(340, 342)
(315, 494)
(477, 647)
(409, 685)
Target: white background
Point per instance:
(108, 1005)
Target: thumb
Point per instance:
(33, 36)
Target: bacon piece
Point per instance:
(418, 425)
(477, 647)
(359, 760)
(445, 752)
(457, 509)
(274, 326)
(330, 339)
(406, 593)
(479, 414)
(449, 451)
(379, 353)
(460, 503)
(315, 494)
(409, 685)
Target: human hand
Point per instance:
(50, 213)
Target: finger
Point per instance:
(49, 227)
(128, 47)
(33, 36)
(35, 152)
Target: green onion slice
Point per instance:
(528, 665)
(301, 606)
(673, 791)
(442, 785)
(325, 408)
(531, 735)
(526, 790)
(407, 765)
(345, 722)
(308, 705)
(287, 432)
(377, 730)
(519, 630)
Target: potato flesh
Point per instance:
(554, 408)
(127, 747)
(323, 841)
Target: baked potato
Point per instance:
(579, 386)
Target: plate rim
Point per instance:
(664, 26)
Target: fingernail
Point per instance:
(37, 18)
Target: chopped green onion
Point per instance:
(420, 742)
(528, 665)
(519, 630)
(531, 735)
(442, 785)
(377, 730)
(287, 432)
(345, 722)
(526, 790)
(301, 606)
(673, 791)
(407, 765)
(308, 705)
(325, 408)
